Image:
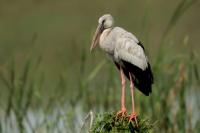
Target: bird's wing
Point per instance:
(127, 49)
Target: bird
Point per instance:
(128, 54)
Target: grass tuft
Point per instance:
(108, 122)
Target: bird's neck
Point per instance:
(105, 42)
(104, 34)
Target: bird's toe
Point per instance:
(121, 113)
(132, 117)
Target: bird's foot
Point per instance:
(121, 113)
(133, 116)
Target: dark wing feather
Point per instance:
(140, 44)
(143, 80)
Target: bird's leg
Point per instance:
(123, 82)
(133, 114)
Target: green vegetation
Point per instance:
(109, 123)
(49, 80)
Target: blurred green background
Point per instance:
(50, 80)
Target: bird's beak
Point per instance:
(96, 37)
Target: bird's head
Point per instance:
(106, 21)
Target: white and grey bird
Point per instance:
(128, 54)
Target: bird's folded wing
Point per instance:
(128, 50)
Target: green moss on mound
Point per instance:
(109, 123)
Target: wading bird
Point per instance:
(128, 54)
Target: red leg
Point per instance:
(123, 81)
(133, 114)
